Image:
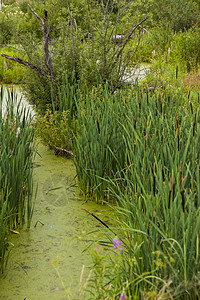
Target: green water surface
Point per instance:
(46, 261)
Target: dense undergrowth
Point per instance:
(16, 157)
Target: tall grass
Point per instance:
(139, 151)
(142, 150)
(16, 157)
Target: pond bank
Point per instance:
(51, 253)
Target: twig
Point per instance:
(130, 34)
(96, 218)
(37, 223)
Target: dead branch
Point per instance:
(129, 36)
(45, 31)
(25, 63)
(63, 150)
(37, 16)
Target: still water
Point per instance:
(18, 98)
(46, 261)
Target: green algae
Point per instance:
(46, 261)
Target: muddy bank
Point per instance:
(46, 262)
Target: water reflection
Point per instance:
(19, 101)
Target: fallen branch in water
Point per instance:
(63, 150)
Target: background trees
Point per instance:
(82, 44)
(77, 40)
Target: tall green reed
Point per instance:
(161, 194)
(142, 150)
(98, 142)
(16, 157)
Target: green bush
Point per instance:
(186, 48)
(54, 131)
(5, 30)
(81, 49)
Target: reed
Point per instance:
(16, 157)
(140, 151)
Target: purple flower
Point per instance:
(97, 250)
(117, 245)
(122, 296)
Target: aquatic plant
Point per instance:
(140, 151)
(16, 158)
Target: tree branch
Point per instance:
(128, 37)
(25, 63)
(37, 16)
(45, 31)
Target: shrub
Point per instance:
(88, 52)
(186, 47)
(54, 131)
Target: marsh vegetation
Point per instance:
(135, 146)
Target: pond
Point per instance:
(46, 261)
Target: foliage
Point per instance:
(192, 81)
(3, 231)
(185, 49)
(17, 153)
(86, 51)
(180, 14)
(154, 44)
(6, 33)
(54, 131)
(96, 142)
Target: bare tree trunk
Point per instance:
(48, 64)
(45, 32)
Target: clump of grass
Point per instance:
(16, 157)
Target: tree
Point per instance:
(92, 51)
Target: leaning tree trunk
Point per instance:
(48, 64)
